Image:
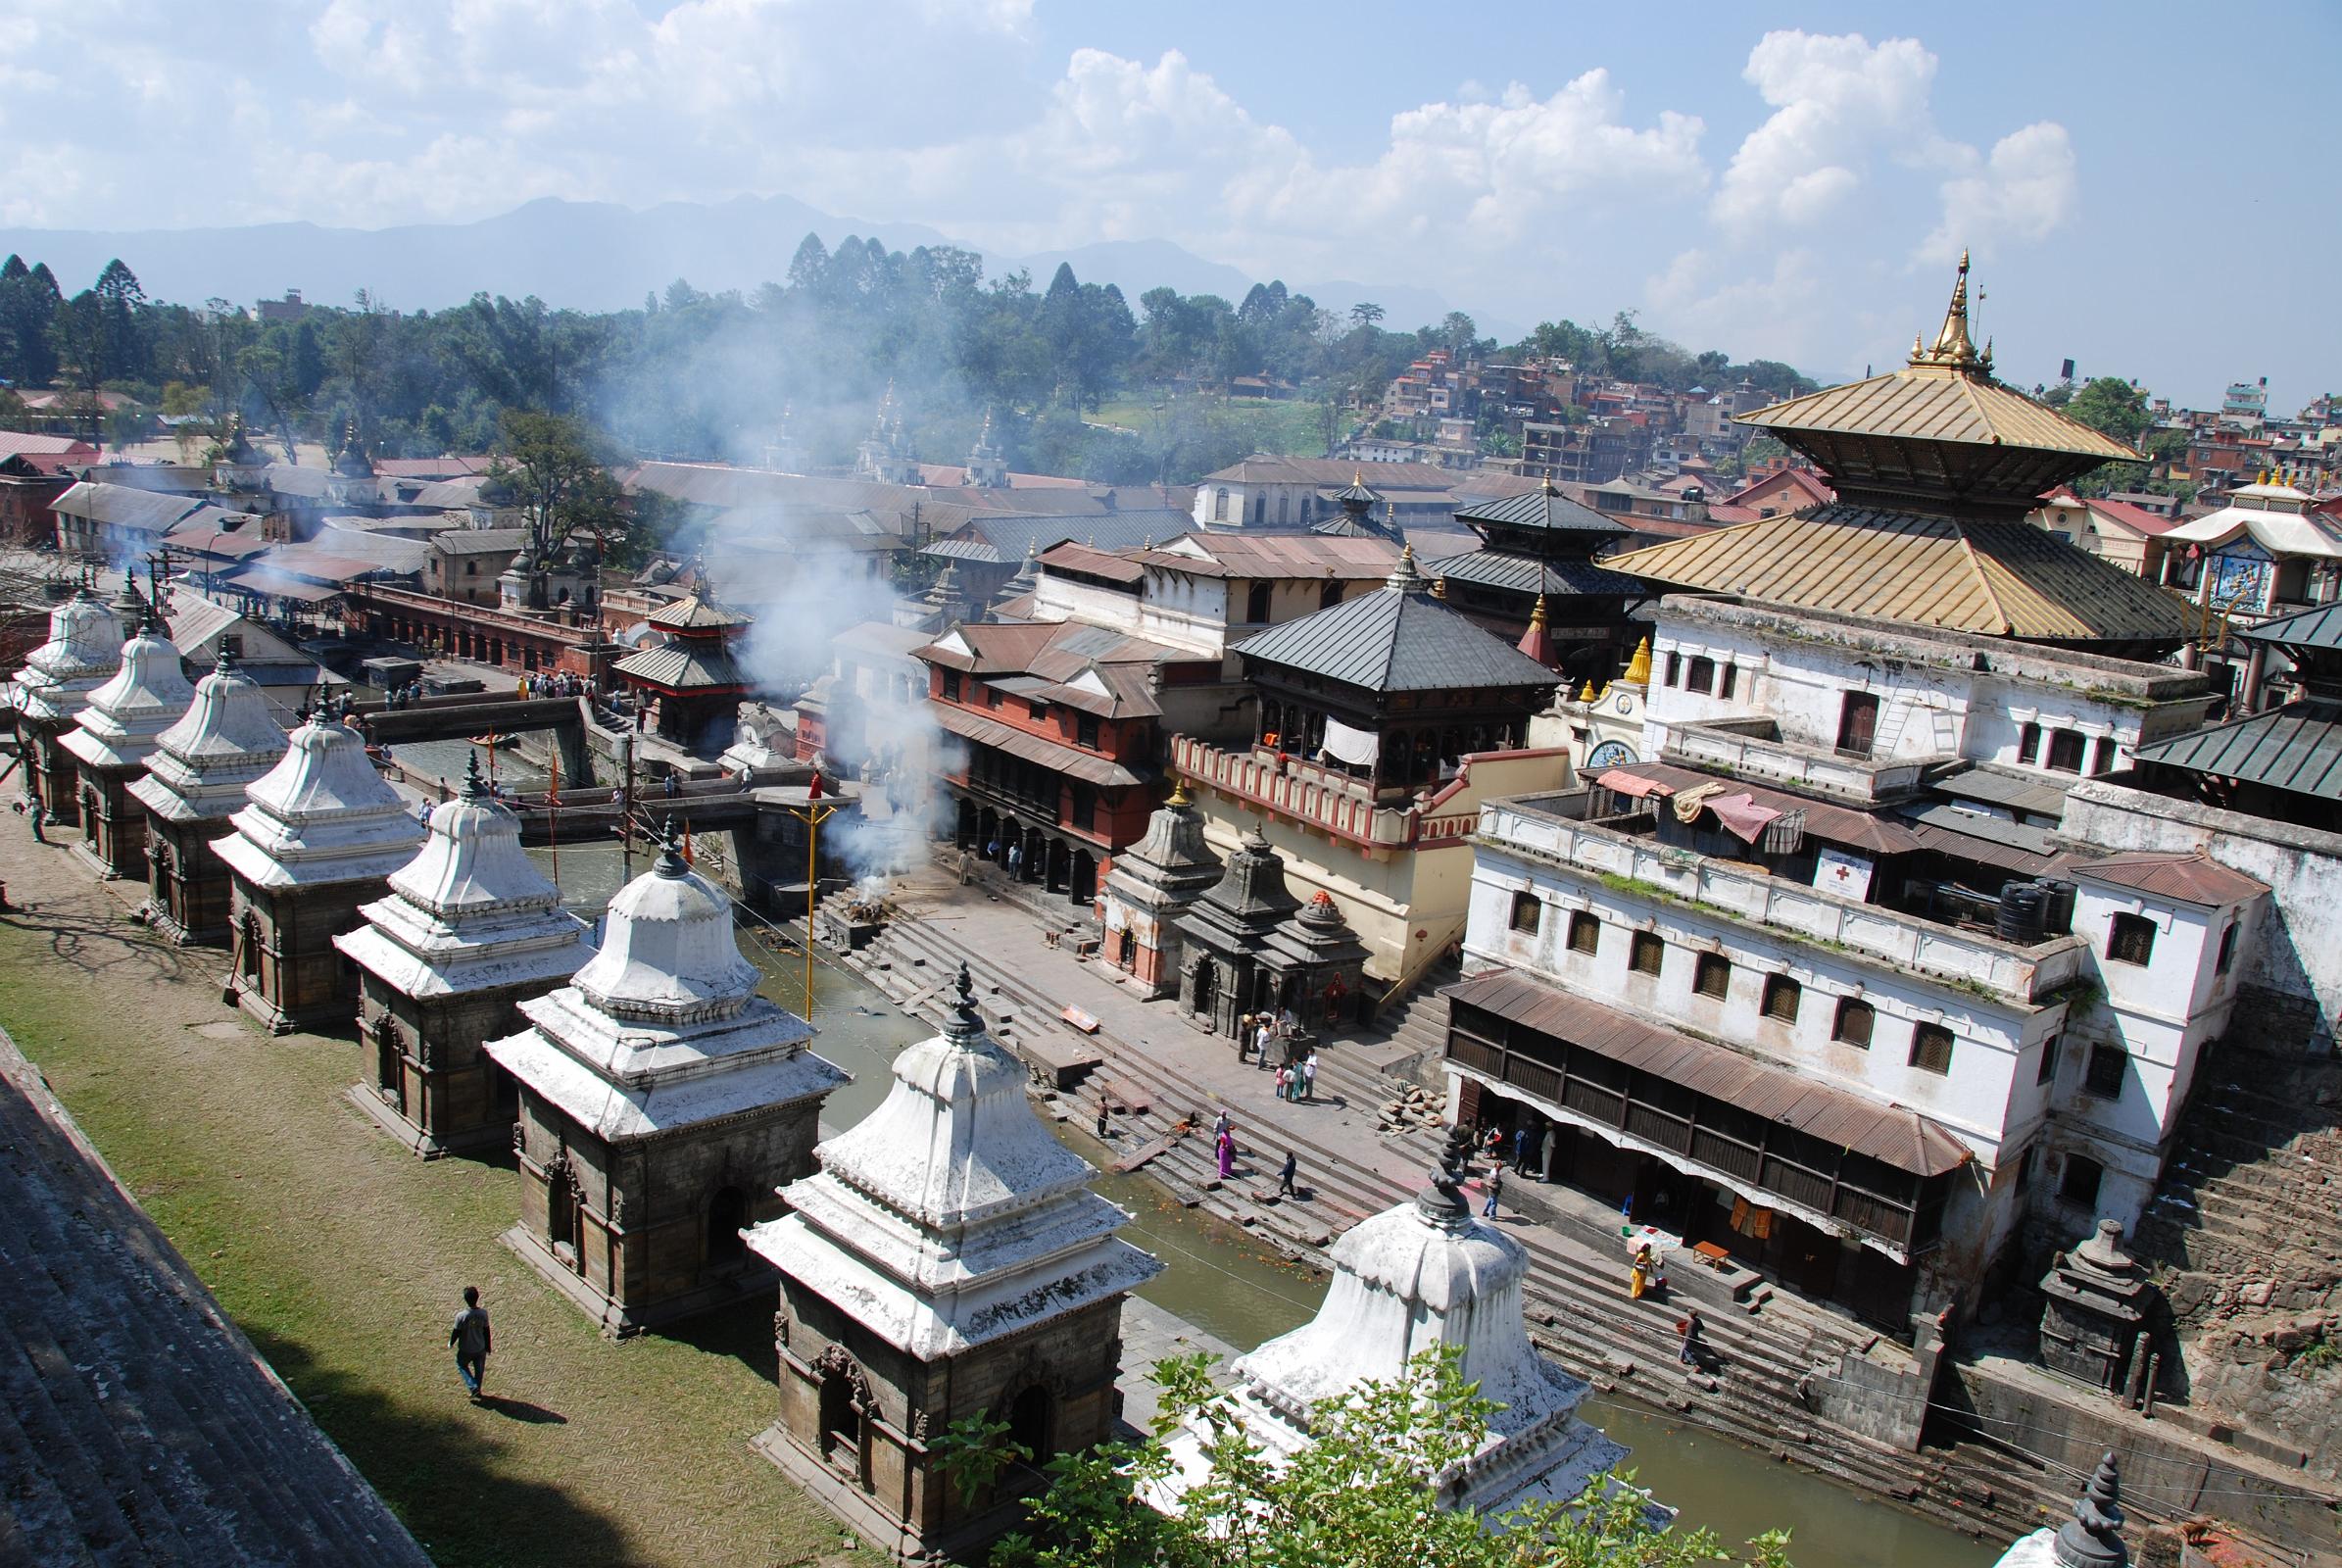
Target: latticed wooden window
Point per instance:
(1932, 1047)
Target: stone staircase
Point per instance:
(136, 1425)
(1578, 1310)
(2244, 1217)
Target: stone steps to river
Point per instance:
(136, 1425)
(1576, 1301)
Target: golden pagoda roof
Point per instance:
(1994, 578)
(1946, 393)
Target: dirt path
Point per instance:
(344, 1258)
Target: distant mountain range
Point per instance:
(599, 256)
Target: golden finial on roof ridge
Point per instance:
(1639, 668)
(1439, 587)
(1536, 614)
(1953, 348)
(1179, 793)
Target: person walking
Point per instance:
(1219, 1126)
(1521, 1149)
(1227, 1154)
(1101, 1115)
(1688, 1327)
(1496, 1189)
(1292, 1164)
(1309, 1075)
(471, 1340)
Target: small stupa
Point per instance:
(113, 741)
(194, 782)
(2091, 1538)
(948, 1261)
(470, 929)
(1153, 883)
(1425, 1274)
(83, 652)
(662, 1104)
(319, 836)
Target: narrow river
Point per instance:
(1220, 1279)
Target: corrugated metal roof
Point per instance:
(1989, 840)
(1276, 555)
(1834, 824)
(1094, 563)
(2296, 748)
(1395, 642)
(119, 506)
(685, 666)
(1934, 403)
(1067, 759)
(692, 612)
(2194, 878)
(2019, 792)
(1892, 1134)
(1527, 574)
(1013, 533)
(1545, 508)
(479, 540)
(2002, 579)
(2303, 628)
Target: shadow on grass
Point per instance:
(535, 1415)
(742, 1331)
(446, 1477)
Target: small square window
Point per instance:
(1713, 976)
(1855, 1021)
(1782, 995)
(1675, 669)
(2028, 743)
(1727, 679)
(2048, 1069)
(1932, 1047)
(1085, 729)
(1645, 954)
(1035, 710)
(2079, 1183)
(1700, 676)
(1527, 910)
(2109, 1066)
(2103, 756)
(2064, 751)
(2131, 939)
(1586, 933)
(991, 697)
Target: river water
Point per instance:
(1217, 1276)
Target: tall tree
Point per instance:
(559, 470)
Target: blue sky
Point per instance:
(2147, 189)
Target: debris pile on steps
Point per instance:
(1411, 1110)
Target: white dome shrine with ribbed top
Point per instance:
(949, 1217)
(127, 716)
(224, 741)
(83, 652)
(662, 1027)
(322, 814)
(469, 911)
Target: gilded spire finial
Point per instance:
(1178, 797)
(1953, 348)
(1536, 615)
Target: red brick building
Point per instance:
(32, 474)
(1060, 731)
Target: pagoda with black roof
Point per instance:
(1394, 687)
(691, 678)
(1355, 519)
(1536, 567)
(1935, 466)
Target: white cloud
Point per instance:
(2027, 188)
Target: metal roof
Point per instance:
(1834, 824)
(1396, 641)
(1013, 533)
(1531, 574)
(479, 540)
(1934, 403)
(1067, 759)
(685, 666)
(1545, 508)
(1892, 1134)
(2296, 748)
(692, 612)
(2001, 580)
(2303, 628)
(119, 506)
(2019, 792)
(1094, 563)
(1257, 555)
(2191, 878)
(1989, 840)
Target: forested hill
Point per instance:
(798, 363)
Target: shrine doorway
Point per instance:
(727, 1216)
(841, 1421)
(1032, 1423)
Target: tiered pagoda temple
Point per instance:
(1248, 944)
(1535, 568)
(1422, 1275)
(470, 930)
(692, 676)
(662, 1102)
(114, 738)
(195, 781)
(319, 837)
(82, 653)
(1935, 466)
(948, 1261)
(1153, 883)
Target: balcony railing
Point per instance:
(1756, 758)
(1323, 797)
(1910, 942)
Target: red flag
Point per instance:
(813, 791)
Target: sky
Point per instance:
(2140, 192)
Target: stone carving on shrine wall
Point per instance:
(780, 1329)
(833, 1362)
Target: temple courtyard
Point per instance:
(344, 1258)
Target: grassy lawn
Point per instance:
(1294, 428)
(344, 1258)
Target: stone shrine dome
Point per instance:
(321, 815)
(669, 953)
(84, 651)
(468, 912)
(127, 716)
(225, 740)
(949, 1218)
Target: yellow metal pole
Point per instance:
(813, 837)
